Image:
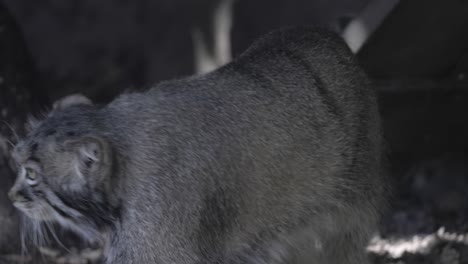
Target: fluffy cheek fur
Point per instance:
(42, 212)
(72, 203)
(37, 220)
(38, 211)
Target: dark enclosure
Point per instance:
(416, 52)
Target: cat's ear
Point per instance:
(92, 157)
(71, 100)
(74, 99)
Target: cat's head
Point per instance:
(64, 168)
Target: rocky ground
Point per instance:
(418, 230)
(426, 133)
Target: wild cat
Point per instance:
(274, 158)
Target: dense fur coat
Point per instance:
(274, 158)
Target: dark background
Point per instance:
(417, 58)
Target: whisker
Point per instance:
(31, 122)
(45, 112)
(37, 233)
(9, 142)
(44, 234)
(23, 234)
(54, 235)
(12, 130)
(43, 239)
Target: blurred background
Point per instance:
(416, 53)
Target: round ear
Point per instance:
(67, 101)
(71, 100)
(92, 157)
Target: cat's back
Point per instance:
(293, 102)
(285, 130)
(299, 66)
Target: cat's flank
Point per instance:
(274, 158)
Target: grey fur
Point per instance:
(274, 158)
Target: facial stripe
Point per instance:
(38, 193)
(58, 205)
(25, 193)
(34, 147)
(72, 218)
(59, 211)
(35, 159)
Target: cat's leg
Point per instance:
(324, 242)
(302, 246)
(347, 247)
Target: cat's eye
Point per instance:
(31, 176)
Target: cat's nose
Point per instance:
(16, 196)
(12, 195)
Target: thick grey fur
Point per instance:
(274, 158)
